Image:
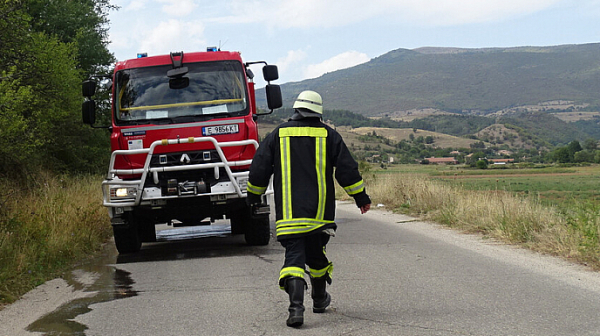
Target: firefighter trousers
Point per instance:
(310, 251)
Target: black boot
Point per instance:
(295, 287)
(321, 299)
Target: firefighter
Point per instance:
(305, 155)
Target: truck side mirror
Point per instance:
(88, 88)
(88, 112)
(270, 72)
(274, 100)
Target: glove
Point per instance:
(362, 199)
(253, 199)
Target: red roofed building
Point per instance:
(444, 160)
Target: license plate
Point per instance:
(216, 130)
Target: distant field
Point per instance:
(560, 186)
(397, 134)
(575, 116)
(413, 114)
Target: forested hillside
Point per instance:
(539, 129)
(48, 48)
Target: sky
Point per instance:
(308, 38)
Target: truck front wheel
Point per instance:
(127, 237)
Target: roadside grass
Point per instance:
(553, 186)
(46, 227)
(570, 230)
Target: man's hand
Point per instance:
(365, 208)
(253, 199)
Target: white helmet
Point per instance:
(309, 104)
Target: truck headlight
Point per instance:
(123, 192)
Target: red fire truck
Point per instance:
(183, 135)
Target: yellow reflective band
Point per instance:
(315, 132)
(355, 188)
(322, 272)
(165, 142)
(191, 139)
(299, 225)
(320, 163)
(286, 175)
(255, 189)
(291, 271)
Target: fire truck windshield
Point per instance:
(208, 90)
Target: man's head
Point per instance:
(309, 104)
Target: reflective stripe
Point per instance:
(321, 184)
(299, 225)
(355, 188)
(314, 132)
(322, 272)
(255, 190)
(286, 174)
(286, 171)
(290, 272)
(309, 101)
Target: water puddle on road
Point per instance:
(103, 283)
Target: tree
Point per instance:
(83, 23)
(574, 147)
(40, 89)
(590, 144)
(562, 155)
(584, 156)
(481, 164)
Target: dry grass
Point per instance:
(570, 233)
(46, 227)
(396, 134)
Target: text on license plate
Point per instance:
(224, 129)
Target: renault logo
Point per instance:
(185, 159)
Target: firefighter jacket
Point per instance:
(304, 156)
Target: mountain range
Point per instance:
(551, 95)
(458, 80)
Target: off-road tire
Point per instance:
(127, 237)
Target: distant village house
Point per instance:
(501, 161)
(442, 160)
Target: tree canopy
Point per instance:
(48, 48)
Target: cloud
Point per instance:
(459, 12)
(178, 8)
(337, 13)
(292, 57)
(342, 61)
(173, 35)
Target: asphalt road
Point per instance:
(392, 276)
